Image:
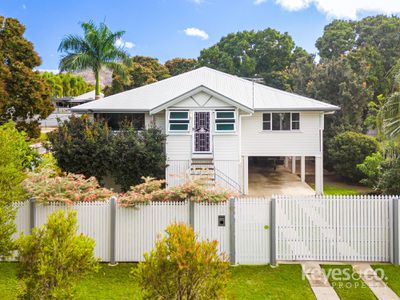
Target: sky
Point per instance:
(181, 28)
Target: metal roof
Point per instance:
(245, 93)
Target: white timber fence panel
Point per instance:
(212, 222)
(334, 228)
(252, 222)
(138, 228)
(93, 220)
(22, 218)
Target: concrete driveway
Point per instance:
(264, 181)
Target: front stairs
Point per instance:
(202, 168)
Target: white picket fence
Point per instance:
(250, 230)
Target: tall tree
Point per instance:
(24, 95)
(266, 54)
(96, 49)
(143, 70)
(66, 84)
(178, 65)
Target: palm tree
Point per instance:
(391, 108)
(96, 49)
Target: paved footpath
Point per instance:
(318, 282)
(374, 282)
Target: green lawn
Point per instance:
(330, 189)
(392, 274)
(347, 289)
(247, 282)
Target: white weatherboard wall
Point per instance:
(306, 141)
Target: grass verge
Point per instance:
(347, 284)
(392, 276)
(247, 282)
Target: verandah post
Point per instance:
(232, 233)
(396, 232)
(272, 227)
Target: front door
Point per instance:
(202, 132)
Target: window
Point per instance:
(266, 121)
(178, 121)
(225, 120)
(295, 121)
(116, 120)
(281, 121)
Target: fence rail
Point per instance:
(250, 230)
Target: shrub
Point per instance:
(372, 170)
(181, 267)
(15, 157)
(389, 182)
(136, 154)
(81, 146)
(47, 187)
(88, 147)
(53, 258)
(348, 149)
(152, 190)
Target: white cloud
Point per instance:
(258, 2)
(192, 31)
(122, 43)
(198, 1)
(54, 71)
(23, 6)
(343, 8)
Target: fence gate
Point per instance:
(333, 228)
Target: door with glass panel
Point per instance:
(202, 132)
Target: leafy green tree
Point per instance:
(181, 267)
(136, 155)
(53, 258)
(143, 70)
(66, 84)
(96, 49)
(88, 147)
(335, 82)
(372, 169)
(266, 54)
(82, 146)
(24, 95)
(15, 157)
(349, 149)
(178, 66)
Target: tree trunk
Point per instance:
(97, 92)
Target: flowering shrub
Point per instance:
(46, 188)
(152, 190)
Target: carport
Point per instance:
(277, 176)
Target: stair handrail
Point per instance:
(228, 180)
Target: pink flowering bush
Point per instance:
(152, 190)
(46, 187)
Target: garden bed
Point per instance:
(247, 282)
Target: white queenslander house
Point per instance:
(215, 123)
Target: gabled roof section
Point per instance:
(199, 89)
(236, 91)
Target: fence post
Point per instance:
(113, 227)
(232, 237)
(191, 214)
(32, 214)
(396, 233)
(272, 227)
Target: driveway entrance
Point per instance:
(271, 179)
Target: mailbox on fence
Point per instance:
(221, 221)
